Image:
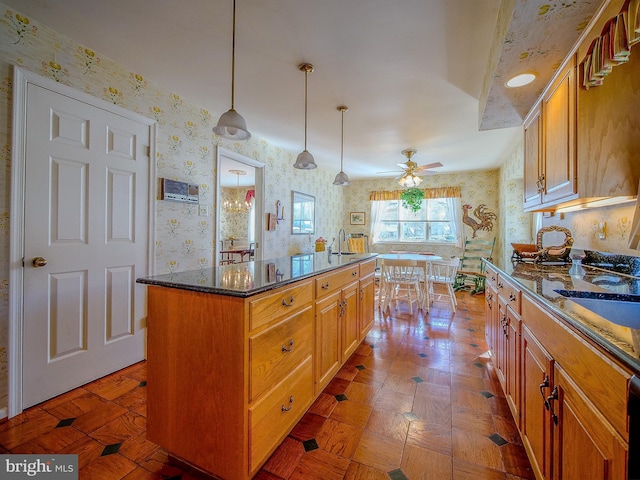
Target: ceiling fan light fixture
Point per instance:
(520, 80)
(231, 125)
(410, 179)
(305, 160)
(341, 178)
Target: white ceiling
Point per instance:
(410, 71)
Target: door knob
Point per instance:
(38, 262)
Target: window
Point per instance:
(438, 221)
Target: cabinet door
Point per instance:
(533, 159)
(501, 345)
(367, 305)
(349, 320)
(491, 316)
(585, 444)
(327, 339)
(512, 391)
(535, 425)
(559, 132)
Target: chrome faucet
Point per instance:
(344, 234)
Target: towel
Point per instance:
(357, 245)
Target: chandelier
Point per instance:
(237, 204)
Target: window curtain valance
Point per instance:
(440, 192)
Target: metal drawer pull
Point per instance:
(286, 409)
(551, 398)
(500, 285)
(512, 297)
(325, 286)
(284, 347)
(354, 273)
(544, 384)
(284, 301)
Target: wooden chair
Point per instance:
(443, 272)
(401, 279)
(470, 274)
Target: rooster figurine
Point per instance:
(486, 218)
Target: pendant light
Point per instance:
(305, 160)
(231, 125)
(341, 178)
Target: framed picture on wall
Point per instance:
(357, 218)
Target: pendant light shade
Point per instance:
(231, 125)
(305, 160)
(341, 178)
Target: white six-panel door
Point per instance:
(85, 242)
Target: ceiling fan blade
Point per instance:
(431, 165)
(424, 173)
(390, 171)
(402, 165)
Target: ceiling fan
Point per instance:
(411, 171)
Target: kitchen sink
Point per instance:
(621, 309)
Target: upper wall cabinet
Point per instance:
(550, 153)
(581, 145)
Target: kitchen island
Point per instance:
(569, 374)
(237, 354)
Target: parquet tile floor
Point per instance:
(419, 399)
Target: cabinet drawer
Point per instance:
(492, 276)
(509, 293)
(367, 268)
(276, 351)
(271, 418)
(329, 283)
(281, 302)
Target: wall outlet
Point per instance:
(203, 210)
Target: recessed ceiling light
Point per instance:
(520, 80)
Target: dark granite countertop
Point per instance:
(543, 282)
(250, 278)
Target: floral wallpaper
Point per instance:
(516, 225)
(185, 150)
(584, 228)
(477, 187)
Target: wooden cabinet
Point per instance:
(601, 452)
(550, 144)
(574, 401)
(507, 342)
(340, 318)
(567, 395)
(366, 308)
(580, 145)
(535, 424)
(558, 178)
(533, 166)
(229, 377)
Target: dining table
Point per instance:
(423, 259)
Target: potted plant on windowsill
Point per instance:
(412, 199)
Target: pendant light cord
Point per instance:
(306, 74)
(342, 140)
(233, 56)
